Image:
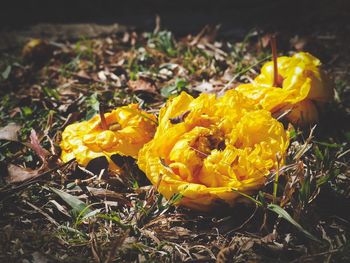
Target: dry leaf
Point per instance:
(265, 40)
(17, 174)
(298, 43)
(142, 85)
(35, 146)
(205, 87)
(10, 132)
(102, 75)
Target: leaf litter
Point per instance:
(92, 214)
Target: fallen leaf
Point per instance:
(82, 74)
(17, 174)
(206, 35)
(205, 87)
(102, 75)
(265, 40)
(14, 111)
(35, 146)
(6, 73)
(142, 85)
(10, 132)
(298, 43)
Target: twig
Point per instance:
(53, 221)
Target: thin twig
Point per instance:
(39, 210)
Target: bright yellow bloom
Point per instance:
(129, 129)
(206, 147)
(303, 86)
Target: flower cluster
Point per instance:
(300, 88)
(205, 148)
(128, 130)
(208, 149)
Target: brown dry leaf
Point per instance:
(82, 74)
(142, 85)
(35, 146)
(206, 35)
(298, 43)
(15, 111)
(10, 132)
(102, 75)
(265, 40)
(17, 174)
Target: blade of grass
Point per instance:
(282, 213)
(285, 215)
(249, 197)
(275, 184)
(78, 206)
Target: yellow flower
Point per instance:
(302, 86)
(206, 147)
(129, 129)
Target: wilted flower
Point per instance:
(301, 87)
(128, 129)
(205, 148)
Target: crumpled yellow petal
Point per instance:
(222, 144)
(301, 79)
(129, 129)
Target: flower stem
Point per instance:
(104, 124)
(274, 58)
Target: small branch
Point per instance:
(53, 221)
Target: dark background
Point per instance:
(181, 16)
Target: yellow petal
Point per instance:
(303, 113)
(302, 79)
(222, 144)
(130, 129)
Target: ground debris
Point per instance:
(120, 217)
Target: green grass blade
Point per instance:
(78, 206)
(284, 214)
